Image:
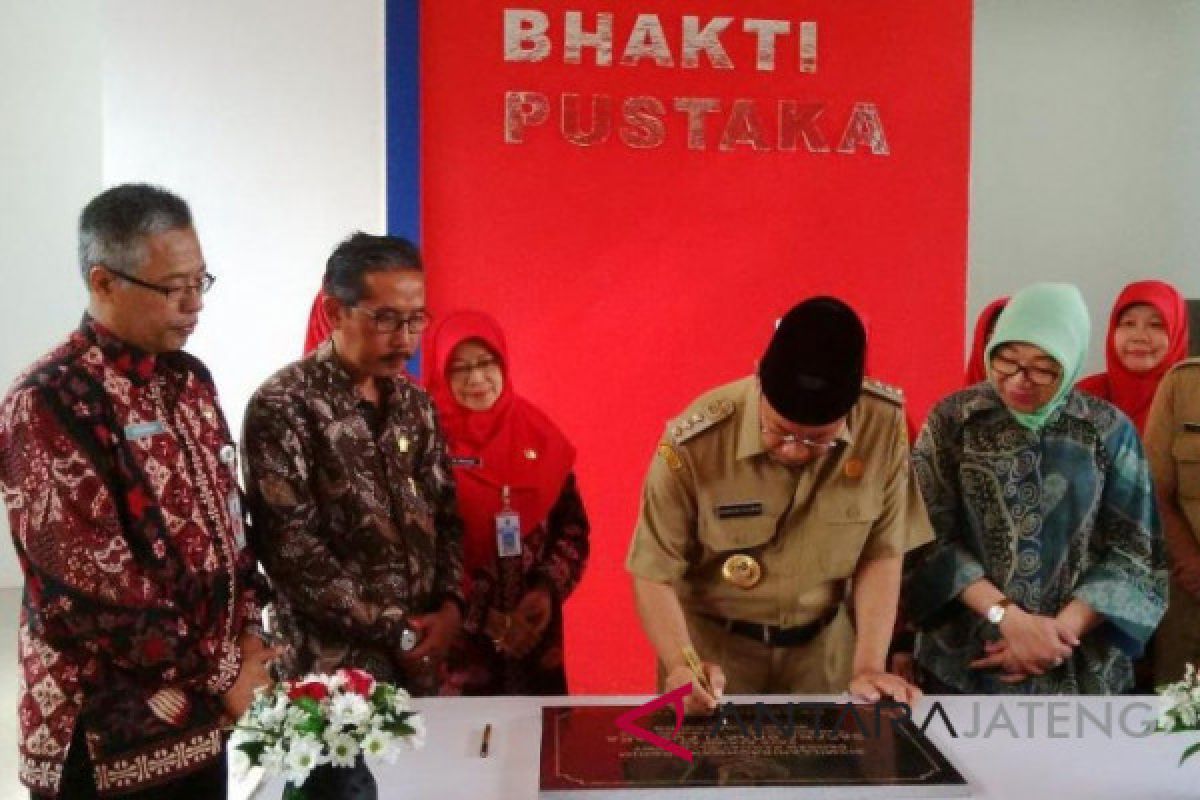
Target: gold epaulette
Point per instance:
(884, 391)
(695, 423)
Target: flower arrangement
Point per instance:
(294, 727)
(1181, 708)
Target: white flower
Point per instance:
(302, 757)
(274, 713)
(343, 750)
(295, 716)
(377, 743)
(402, 701)
(273, 759)
(348, 709)
(417, 740)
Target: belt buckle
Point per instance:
(766, 635)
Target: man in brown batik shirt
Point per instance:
(349, 486)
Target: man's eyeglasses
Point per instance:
(173, 293)
(386, 320)
(1038, 376)
(793, 440)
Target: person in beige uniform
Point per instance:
(1172, 440)
(773, 507)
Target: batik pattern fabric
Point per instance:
(119, 475)
(553, 557)
(1067, 513)
(354, 511)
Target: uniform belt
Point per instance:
(773, 635)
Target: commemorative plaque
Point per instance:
(766, 750)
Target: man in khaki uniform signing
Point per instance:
(773, 506)
(1172, 440)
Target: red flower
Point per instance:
(314, 689)
(358, 681)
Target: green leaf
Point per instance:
(253, 749)
(1191, 751)
(309, 705)
(291, 792)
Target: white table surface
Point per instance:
(1007, 764)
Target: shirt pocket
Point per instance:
(1185, 449)
(843, 523)
(726, 524)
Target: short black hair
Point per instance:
(361, 253)
(113, 227)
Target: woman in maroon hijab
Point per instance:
(1147, 335)
(525, 538)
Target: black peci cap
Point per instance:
(812, 371)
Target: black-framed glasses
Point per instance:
(386, 320)
(173, 293)
(1038, 376)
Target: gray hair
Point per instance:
(114, 225)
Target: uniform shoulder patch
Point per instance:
(884, 391)
(667, 453)
(1188, 362)
(691, 425)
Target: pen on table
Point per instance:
(487, 738)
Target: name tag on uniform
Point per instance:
(234, 503)
(735, 510)
(1191, 427)
(471, 462)
(508, 534)
(141, 430)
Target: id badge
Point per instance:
(508, 534)
(234, 504)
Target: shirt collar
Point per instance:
(342, 381)
(128, 360)
(984, 397)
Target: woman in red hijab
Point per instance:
(1147, 335)
(525, 540)
(319, 327)
(976, 368)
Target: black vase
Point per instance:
(328, 782)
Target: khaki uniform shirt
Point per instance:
(712, 491)
(1172, 440)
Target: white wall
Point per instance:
(50, 165)
(268, 118)
(1085, 165)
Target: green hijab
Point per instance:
(1051, 316)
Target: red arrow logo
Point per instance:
(673, 698)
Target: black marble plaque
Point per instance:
(754, 745)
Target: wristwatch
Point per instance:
(995, 614)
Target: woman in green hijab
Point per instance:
(1048, 572)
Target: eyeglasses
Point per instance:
(1038, 376)
(174, 294)
(462, 372)
(385, 320)
(791, 439)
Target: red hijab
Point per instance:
(511, 444)
(1129, 391)
(319, 327)
(976, 369)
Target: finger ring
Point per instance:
(1058, 661)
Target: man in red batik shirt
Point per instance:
(138, 635)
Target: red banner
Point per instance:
(637, 191)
